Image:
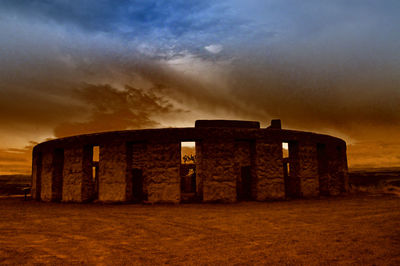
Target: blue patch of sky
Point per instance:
(182, 24)
(191, 25)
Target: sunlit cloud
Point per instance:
(214, 48)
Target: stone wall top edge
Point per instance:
(165, 135)
(316, 137)
(227, 124)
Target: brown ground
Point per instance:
(363, 229)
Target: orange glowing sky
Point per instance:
(325, 66)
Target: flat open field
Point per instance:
(362, 229)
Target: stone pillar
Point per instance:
(199, 179)
(57, 176)
(217, 171)
(268, 170)
(36, 175)
(308, 169)
(323, 172)
(112, 172)
(72, 174)
(162, 172)
(338, 169)
(47, 175)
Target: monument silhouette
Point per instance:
(234, 161)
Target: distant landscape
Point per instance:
(375, 180)
(14, 184)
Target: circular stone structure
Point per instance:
(234, 161)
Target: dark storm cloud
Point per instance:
(112, 109)
(333, 65)
(33, 107)
(334, 97)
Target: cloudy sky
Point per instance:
(71, 67)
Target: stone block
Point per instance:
(112, 192)
(219, 191)
(308, 169)
(269, 171)
(217, 167)
(163, 171)
(72, 174)
(112, 172)
(47, 174)
(164, 192)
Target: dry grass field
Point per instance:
(355, 229)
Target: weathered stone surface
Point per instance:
(273, 189)
(112, 192)
(308, 170)
(338, 182)
(219, 191)
(47, 174)
(269, 171)
(36, 175)
(139, 155)
(217, 167)
(57, 175)
(323, 171)
(162, 172)
(243, 153)
(199, 174)
(164, 192)
(324, 179)
(112, 172)
(72, 174)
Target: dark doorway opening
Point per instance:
(286, 168)
(244, 188)
(286, 174)
(137, 185)
(57, 175)
(244, 169)
(38, 176)
(136, 159)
